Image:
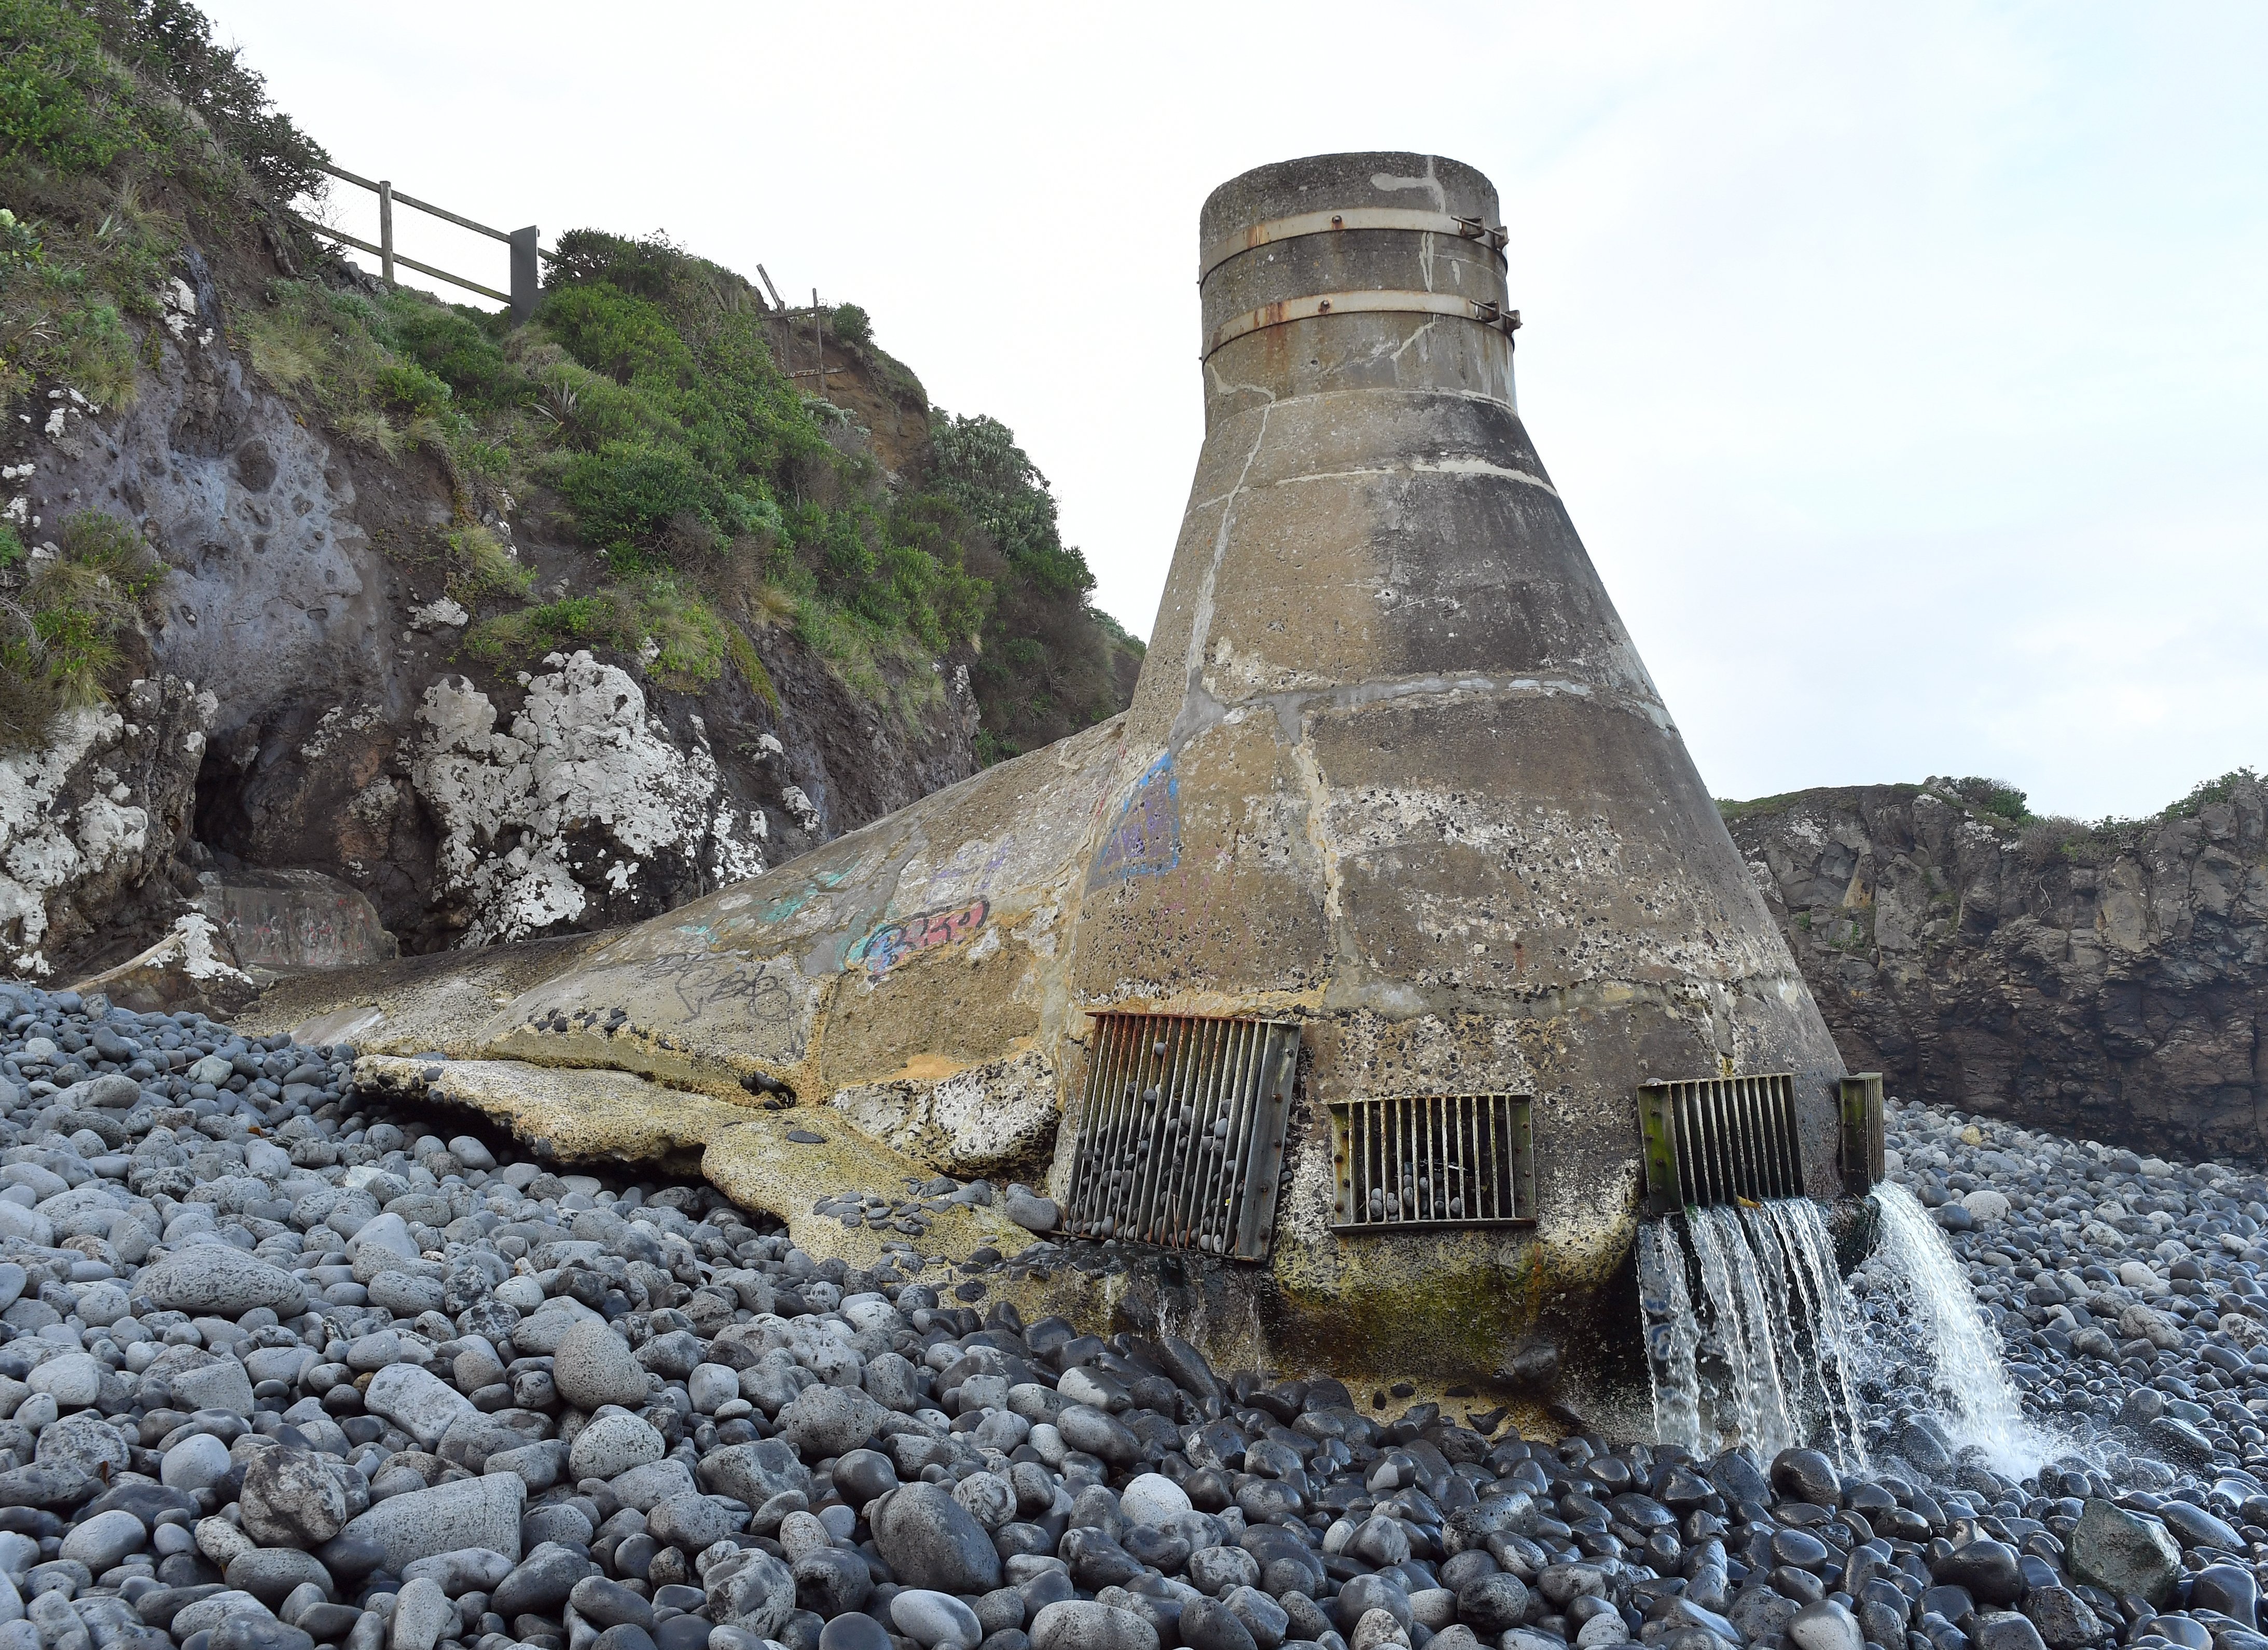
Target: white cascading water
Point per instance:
(1975, 1403)
(1766, 1352)
(1762, 1355)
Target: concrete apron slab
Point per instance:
(588, 1116)
(568, 1116)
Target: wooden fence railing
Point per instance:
(526, 275)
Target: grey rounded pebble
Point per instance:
(594, 1366)
(1074, 1624)
(612, 1444)
(221, 1279)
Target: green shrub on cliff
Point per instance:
(70, 619)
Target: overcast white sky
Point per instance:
(1905, 367)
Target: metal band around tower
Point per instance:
(1346, 218)
(1386, 303)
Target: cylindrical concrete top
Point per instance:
(1349, 271)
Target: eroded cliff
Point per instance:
(2107, 981)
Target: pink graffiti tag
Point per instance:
(893, 943)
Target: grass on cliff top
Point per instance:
(2042, 838)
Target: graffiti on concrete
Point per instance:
(1145, 838)
(893, 943)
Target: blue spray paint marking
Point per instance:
(1145, 838)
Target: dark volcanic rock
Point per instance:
(2105, 984)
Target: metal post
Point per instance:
(385, 230)
(818, 343)
(526, 277)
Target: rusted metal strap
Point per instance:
(1387, 303)
(1347, 217)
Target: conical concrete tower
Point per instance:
(1423, 793)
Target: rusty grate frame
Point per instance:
(1181, 1134)
(1863, 1160)
(1433, 1160)
(1716, 1140)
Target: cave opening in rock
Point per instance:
(224, 818)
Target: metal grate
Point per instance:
(1180, 1136)
(1433, 1160)
(1716, 1140)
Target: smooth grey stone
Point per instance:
(1987, 1568)
(2002, 1629)
(101, 1540)
(83, 1442)
(420, 1404)
(1825, 1625)
(929, 1539)
(423, 1615)
(755, 1473)
(405, 1295)
(1073, 1624)
(218, 1382)
(612, 1444)
(2065, 1620)
(931, 1619)
(693, 1522)
(2226, 1587)
(242, 1631)
(1494, 1604)
(467, 1570)
(2192, 1526)
(852, 1631)
(609, 1604)
(271, 1574)
(482, 1511)
(539, 1584)
(645, 1487)
(595, 1366)
(218, 1278)
(2124, 1553)
(833, 1581)
(1208, 1624)
(1084, 1428)
(538, 1465)
(758, 1594)
(828, 1421)
(1805, 1475)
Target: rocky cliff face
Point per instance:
(308, 704)
(2110, 982)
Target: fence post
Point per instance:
(385, 230)
(526, 277)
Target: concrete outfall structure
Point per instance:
(1393, 774)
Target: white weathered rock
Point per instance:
(582, 754)
(72, 831)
